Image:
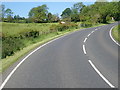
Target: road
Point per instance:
(86, 58)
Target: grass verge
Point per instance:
(116, 33)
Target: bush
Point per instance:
(86, 24)
(29, 34)
(62, 27)
(32, 34)
(10, 45)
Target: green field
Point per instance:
(116, 33)
(11, 29)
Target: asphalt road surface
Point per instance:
(84, 59)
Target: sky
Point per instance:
(23, 8)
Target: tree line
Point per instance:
(99, 12)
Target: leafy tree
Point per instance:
(9, 13)
(55, 18)
(49, 16)
(66, 13)
(39, 14)
(2, 11)
(76, 9)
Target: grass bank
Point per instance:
(30, 44)
(116, 33)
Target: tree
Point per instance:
(9, 13)
(17, 18)
(76, 9)
(66, 13)
(49, 17)
(55, 18)
(39, 14)
(2, 11)
(78, 6)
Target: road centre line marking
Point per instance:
(110, 33)
(96, 29)
(85, 40)
(88, 35)
(92, 32)
(84, 49)
(100, 74)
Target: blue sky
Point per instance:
(23, 8)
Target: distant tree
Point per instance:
(2, 11)
(17, 18)
(66, 13)
(115, 10)
(39, 14)
(55, 18)
(9, 13)
(76, 9)
(49, 17)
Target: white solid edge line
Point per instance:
(84, 49)
(110, 33)
(100, 74)
(11, 73)
(85, 40)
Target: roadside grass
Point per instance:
(13, 29)
(116, 33)
(31, 45)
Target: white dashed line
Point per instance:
(96, 29)
(110, 33)
(92, 32)
(85, 40)
(88, 35)
(100, 74)
(84, 49)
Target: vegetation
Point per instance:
(24, 34)
(116, 33)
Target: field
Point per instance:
(13, 29)
(116, 33)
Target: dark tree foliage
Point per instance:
(101, 12)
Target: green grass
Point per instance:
(116, 33)
(12, 29)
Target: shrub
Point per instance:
(10, 45)
(62, 27)
(32, 34)
(86, 24)
(29, 34)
